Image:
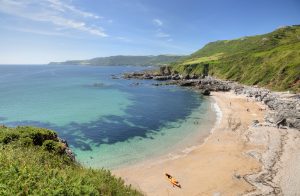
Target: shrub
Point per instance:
(27, 168)
(26, 141)
(53, 146)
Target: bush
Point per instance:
(27, 168)
(53, 146)
(26, 141)
(10, 137)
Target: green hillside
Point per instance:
(33, 162)
(124, 60)
(271, 60)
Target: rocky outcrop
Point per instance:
(205, 92)
(67, 149)
(284, 109)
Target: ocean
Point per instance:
(107, 122)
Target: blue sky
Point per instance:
(39, 31)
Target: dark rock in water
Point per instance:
(135, 84)
(187, 83)
(156, 84)
(114, 76)
(137, 75)
(147, 76)
(162, 78)
(205, 92)
(98, 85)
(175, 77)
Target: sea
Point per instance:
(109, 122)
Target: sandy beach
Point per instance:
(236, 158)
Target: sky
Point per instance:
(40, 31)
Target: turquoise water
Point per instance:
(107, 122)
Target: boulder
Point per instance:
(205, 92)
(162, 78)
(187, 83)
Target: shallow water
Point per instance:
(107, 122)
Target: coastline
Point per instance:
(192, 138)
(233, 159)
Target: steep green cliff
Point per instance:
(271, 60)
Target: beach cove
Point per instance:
(237, 158)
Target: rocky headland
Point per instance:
(283, 107)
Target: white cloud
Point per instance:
(159, 30)
(39, 32)
(162, 35)
(55, 12)
(158, 22)
(63, 7)
(124, 39)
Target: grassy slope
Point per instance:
(271, 60)
(32, 162)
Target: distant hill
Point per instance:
(271, 60)
(124, 60)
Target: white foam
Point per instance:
(189, 149)
(218, 111)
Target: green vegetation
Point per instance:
(125, 60)
(33, 162)
(271, 60)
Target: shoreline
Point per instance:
(232, 160)
(186, 145)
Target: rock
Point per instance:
(68, 151)
(175, 72)
(187, 83)
(283, 110)
(175, 77)
(194, 76)
(156, 84)
(255, 123)
(165, 70)
(98, 85)
(205, 92)
(114, 76)
(135, 84)
(147, 76)
(186, 77)
(161, 78)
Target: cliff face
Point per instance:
(270, 60)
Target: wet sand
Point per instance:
(233, 159)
